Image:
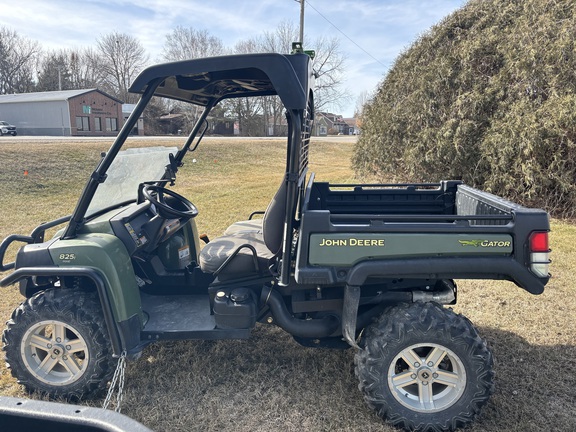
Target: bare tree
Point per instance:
(18, 58)
(84, 69)
(279, 40)
(250, 115)
(70, 69)
(263, 115)
(121, 58)
(188, 43)
(184, 44)
(363, 98)
(54, 72)
(329, 66)
(329, 62)
(248, 46)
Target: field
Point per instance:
(270, 383)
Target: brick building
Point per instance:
(88, 112)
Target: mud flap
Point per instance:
(350, 314)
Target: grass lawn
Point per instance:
(270, 383)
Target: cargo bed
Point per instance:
(444, 230)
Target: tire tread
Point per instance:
(71, 306)
(419, 319)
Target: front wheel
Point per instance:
(424, 368)
(56, 344)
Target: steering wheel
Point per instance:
(156, 195)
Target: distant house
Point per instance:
(321, 126)
(330, 124)
(221, 126)
(353, 128)
(88, 112)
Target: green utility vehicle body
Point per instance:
(333, 265)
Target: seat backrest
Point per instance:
(273, 224)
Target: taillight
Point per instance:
(539, 253)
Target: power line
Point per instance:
(344, 34)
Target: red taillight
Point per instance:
(539, 242)
(539, 254)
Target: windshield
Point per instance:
(130, 168)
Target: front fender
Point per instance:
(101, 258)
(109, 256)
(120, 339)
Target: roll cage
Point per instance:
(205, 82)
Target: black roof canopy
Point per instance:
(206, 81)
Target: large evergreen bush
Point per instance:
(486, 96)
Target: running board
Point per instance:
(182, 317)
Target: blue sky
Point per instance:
(383, 28)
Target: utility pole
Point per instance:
(301, 22)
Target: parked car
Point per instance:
(7, 128)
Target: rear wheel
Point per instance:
(424, 368)
(56, 343)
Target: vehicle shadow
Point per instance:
(535, 385)
(270, 383)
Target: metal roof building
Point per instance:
(87, 112)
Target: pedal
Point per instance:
(204, 238)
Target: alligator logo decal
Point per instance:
(486, 243)
(474, 243)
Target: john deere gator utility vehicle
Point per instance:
(367, 266)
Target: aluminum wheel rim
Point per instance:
(427, 377)
(54, 352)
